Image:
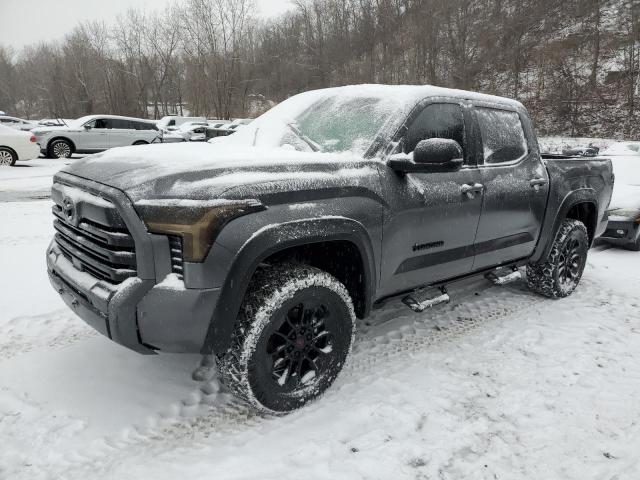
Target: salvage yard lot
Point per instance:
(499, 383)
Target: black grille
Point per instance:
(106, 252)
(175, 246)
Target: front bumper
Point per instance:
(138, 314)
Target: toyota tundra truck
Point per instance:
(261, 250)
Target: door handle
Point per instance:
(471, 190)
(538, 182)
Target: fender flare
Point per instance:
(547, 236)
(272, 239)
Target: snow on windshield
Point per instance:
(334, 120)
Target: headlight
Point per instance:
(197, 222)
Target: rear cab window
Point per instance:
(503, 138)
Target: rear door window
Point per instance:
(120, 124)
(503, 138)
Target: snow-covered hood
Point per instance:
(206, 171)
(40, 130)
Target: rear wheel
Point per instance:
(141, 142)
(560, 273)
(60, 149)
(294, 332)
(7, 157)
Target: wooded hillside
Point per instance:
(574, 63)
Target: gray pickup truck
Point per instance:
(262, 250)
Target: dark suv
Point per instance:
(264, 248)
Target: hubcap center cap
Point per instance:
(299, 343)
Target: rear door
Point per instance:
(430, 224)
(121, 133)
(516, 186)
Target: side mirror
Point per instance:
(87, 127)
(430, 156)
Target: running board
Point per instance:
(420, 300)
(498, 279)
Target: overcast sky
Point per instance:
(23, 22)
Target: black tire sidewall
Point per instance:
(579, 234)
(52, 154)
(262, 386)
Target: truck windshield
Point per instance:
(340, 120)
(338, 125)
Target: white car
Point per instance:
(95, 133)
(16, 145)
(624, 149)
(193, 131)
(623, 229)
(17, 123)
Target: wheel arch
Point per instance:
(580, 205)
(299, 240)
(11, 150)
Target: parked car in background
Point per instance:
(623, 229)
(226, 129)
(17, 123)
(172, 122)
(16, 145)
(193, 131)
(95, 133)
(264, 248)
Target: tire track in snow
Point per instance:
(391, 333)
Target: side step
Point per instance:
(500, 277)
(424, 298)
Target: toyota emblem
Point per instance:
(68, 209)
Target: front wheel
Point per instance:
(294, 332)
(7, 157)
(60, 149)
(559, 275)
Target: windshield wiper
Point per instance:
(313, 145)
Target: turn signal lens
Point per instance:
(197, 222)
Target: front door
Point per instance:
(94, 138)
(430, 224)
(516, 185)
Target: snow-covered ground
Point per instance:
(498, 384)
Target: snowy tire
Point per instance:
(7, 157)
(60, 149)
(560, 273)
(293, 334)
